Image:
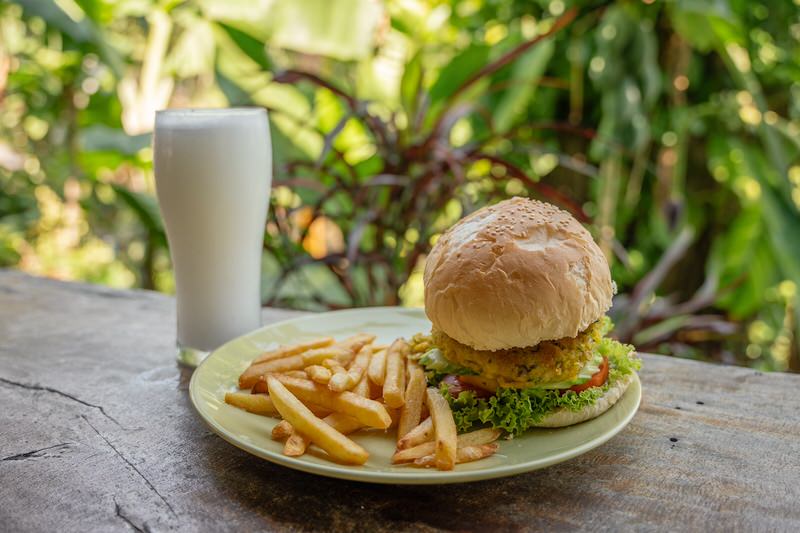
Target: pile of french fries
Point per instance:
(324, 390)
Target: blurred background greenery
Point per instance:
(672, 129)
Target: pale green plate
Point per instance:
(220, 371)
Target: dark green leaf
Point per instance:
(253, 48)
(411, 84)
(457, 71)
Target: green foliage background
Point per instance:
(671, 128)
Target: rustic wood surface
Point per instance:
(98, 435)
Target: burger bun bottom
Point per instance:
(565, 417)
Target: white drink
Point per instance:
(213, 174)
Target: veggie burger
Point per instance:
(517, 294)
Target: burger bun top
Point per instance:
(515, 274)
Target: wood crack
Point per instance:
(34, 453)
(133, 466)
(118, 512)
(68, 396)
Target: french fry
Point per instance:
(463, 455)
(478, 437)
(297, 443)
(293, 362)
(282, 430)
(359, 365)
(338, 372)
(251, 374)
(410, 454)
(319, 374)
(326, 437)
(418, 435)
(473, 453)
(259, 404)
(395, 415)
(356, 342)
(375, 391)
(315, 357)
(297, 374)
(368, 412)
(377, 367)
(444, 429)
(316, 409)
(293, 349)
(341, 382)
(334, 366)
(362, 388)
(343, 423)
(411, 412)
(473, 438)
(260, 386)
(394, 383)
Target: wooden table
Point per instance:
(98, 434)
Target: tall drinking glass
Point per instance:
(213, 172)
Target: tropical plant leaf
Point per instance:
(700, 21)
(411, 86)
(526, 73)
(458, 71)
(253, 48)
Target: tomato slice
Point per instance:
(597, 380)
(456, 386)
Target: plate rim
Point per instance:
(418, 476)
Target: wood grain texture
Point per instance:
(98, 434)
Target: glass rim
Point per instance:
(204, 111)
(209, 118)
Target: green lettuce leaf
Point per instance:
(606, 325)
